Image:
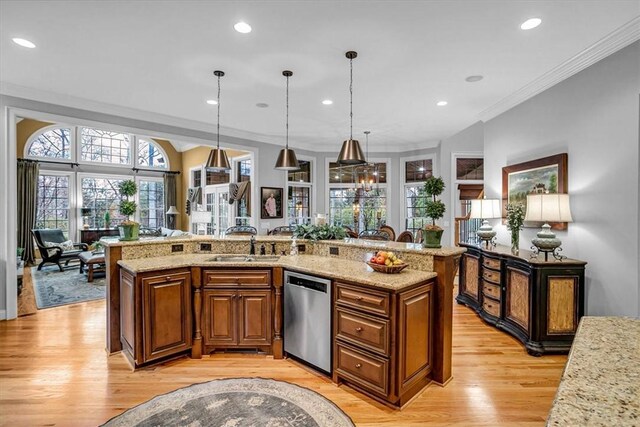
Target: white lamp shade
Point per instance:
(173, 211)
(201, 217)
(548, 208)
(485, 208)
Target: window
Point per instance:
(52, 209)
(243, 170)
(101, 195)
(469, 169)
(243, 173)
(352, 174)
(53, 144)
(299, 191)
(151, 203)
(196, 178)
(301, 175)
(418, 170)
(214, 178)
(102, 146)
(358, 209)
(150, 155)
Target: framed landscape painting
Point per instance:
(271, 198)
(546, 175)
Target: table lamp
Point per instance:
(485, 209)
(547, 208)
(200, 217)
(171, 213)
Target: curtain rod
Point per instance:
(136, 170)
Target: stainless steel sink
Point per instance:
(244, 258)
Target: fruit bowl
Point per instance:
(391, 269)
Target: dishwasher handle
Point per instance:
(308, 284)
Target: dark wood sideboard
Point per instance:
(539, 302)
(91, 235)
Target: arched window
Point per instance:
(54, 143)
(103, 146)
(151, 155)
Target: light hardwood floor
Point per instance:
(54, 371)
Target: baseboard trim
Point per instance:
(3, 314)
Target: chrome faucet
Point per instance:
(252, 245)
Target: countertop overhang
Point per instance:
(329, 267)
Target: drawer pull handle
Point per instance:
(358, 329)
(358, 298)
(167, 278)
(358, 365)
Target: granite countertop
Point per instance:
(333, 268)
(600, 385)
(395, 246)
(115, 241)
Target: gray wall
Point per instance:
(592, 116)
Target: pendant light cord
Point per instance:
(287, 126)
(350, 98)
(218, 136)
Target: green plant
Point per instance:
(319, 232)
(515, 217)
(128, 207)
(107, 219)
(434, 208)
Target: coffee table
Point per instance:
(94, 262)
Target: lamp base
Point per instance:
(546, 242)
(486, 234)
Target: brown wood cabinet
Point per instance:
(383, 342)
(538, 302)
(155, 314)
(237, 309)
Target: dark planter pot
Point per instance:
(432, 238)
(129, 231)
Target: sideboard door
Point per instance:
(518, 299)
(470, 277)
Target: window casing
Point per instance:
(416, 171)
(151, 155)
(54, 143)
(300, 193)
(151, 203)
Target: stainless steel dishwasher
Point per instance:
(307, 319)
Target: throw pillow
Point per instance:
(67, 245)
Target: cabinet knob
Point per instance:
(358, 365)
(358, 298)
(358, 329)
(168, 278)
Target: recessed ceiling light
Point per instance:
(23, 42)
(327, 102)
(262, 105)
(442, 103)
(212, 102)
(472, 79)
(530, 23)
(242, 27)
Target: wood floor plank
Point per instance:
(54, 372)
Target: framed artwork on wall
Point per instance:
(546, 175)
(271, 202)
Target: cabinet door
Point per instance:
(518, 298)
(255, 317)
(469, 282)
(220, 317)
(166, 314)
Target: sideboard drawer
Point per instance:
(490, 275)
(232, 278)
(491, 307)
(491, 263)
(368, 371)
(491, 290)
(370, 300)
(365, 331)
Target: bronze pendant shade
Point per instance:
(351, 152)
(287, 160)
(218, 160)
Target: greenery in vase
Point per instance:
(319, 232)
(128, 207)
(434, 208)
(515, 220)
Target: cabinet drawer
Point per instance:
(491, 263)
(362, 330)
(491, 307)
(227, 278)
(490, 275)
(491, 290)
(361, 368)
(371, 300)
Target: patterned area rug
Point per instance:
(53, 287)
(238, 402)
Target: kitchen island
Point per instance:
(391, 333)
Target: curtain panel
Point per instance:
(170, 197)
(28, 172)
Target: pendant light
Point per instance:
(351, 153)
(287, 160)
(218, 160)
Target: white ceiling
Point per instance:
(159, 57)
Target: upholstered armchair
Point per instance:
(56, 253)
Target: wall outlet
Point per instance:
(177, 248)
(302, 249)
(205, 247)
(333, 250)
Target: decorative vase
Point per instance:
(515, 242)
(129, 231)
(432, 238)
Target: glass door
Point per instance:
(217, 202)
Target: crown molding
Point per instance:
(614, 41)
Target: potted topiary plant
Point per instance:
(435, 210)
(129, 229)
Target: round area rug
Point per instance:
(238, 402)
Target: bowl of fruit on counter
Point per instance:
(386, 262)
